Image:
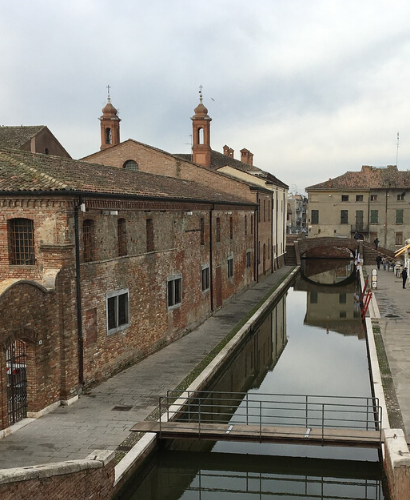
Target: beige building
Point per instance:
(373, 202)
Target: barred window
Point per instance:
(21, 242)
(248, 259)
(174, 291)
(88, 240)
(230, 267)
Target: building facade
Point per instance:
(374, 203)
(100, 267)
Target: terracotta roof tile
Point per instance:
(15, 137)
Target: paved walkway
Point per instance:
(92, 422)
(394, 306)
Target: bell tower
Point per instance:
(201, 134)
(110, 125)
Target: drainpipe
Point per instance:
(211, 274)
(78, 289)
(256, 226)
(385, 219)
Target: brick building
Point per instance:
(209, 168)
(37, 139)
(101, 266)
(374, 202)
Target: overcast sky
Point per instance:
(312, 88)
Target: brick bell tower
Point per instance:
(110, 125)
(201, 134)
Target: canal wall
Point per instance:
(396, 455)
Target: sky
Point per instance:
(313, 88)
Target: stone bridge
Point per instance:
(327, 247)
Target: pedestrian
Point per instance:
(404, 276)
(356, 236)
(378, 260)
(384, 260)
(376, 243)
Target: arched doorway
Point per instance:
(16, 367)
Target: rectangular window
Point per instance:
(399, 216)
(264, 210)
(345, 197)
(117, 311)
(252, 224)
(248, 259)
(374, 216)
(359, 197)
(202, 230)
(174, 291)
(21, 242)
(230, 267)
(150, 235)
(231, 228)
(218, 229)
(342, 298)
(399, 239)
(344, 217)
(259, 210)
(315, 216)
(400, 197)
(205, 278)
(342, 314)
(373, 197)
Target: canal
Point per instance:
(312, 342)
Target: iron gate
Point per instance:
(16, 381)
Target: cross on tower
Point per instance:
(200, 92)
(108, 88)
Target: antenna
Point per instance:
(397, 152)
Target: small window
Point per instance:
(218, 229)
(230, 267)
(122, 237)
(342, 298)
(315, 217)
(345, 197)
(205, 278)
(374, 216)
(373, 197)
(131, 165)
(231, 228)
(248, 258)
(344, 217)
(359, 197)
(400, 197)
(117, 311)
(150, 235)
(21, 242)
(174, 291)
(88, 240)
(342, 314)
(399, 239)
(202, 230)
(108, 137)
(399, 216)
(46, 151)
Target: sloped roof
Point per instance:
(15, 137)
(219, 160)
(367, 178)
(25, 172)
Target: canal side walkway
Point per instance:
(101, 418)
(394, 306)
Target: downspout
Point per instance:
(385, 226)
(256, 226)
(271, 236)
(368, 215)
(78, 289)
(211, 274)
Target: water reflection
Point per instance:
(311, 343)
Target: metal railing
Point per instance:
(264, 411)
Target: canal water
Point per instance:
(312, 342)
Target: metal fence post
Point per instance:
(199, 417)
(323, 422)
(260, 420)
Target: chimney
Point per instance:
(228, 151)
(246, 157)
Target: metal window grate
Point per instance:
(122, 237)
(88, 240)
(21, 233)
(16, 381)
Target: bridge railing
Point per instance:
(207, 408)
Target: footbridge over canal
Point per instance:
(275, 418)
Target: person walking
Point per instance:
(378, 260)
(376, 243)
(404, 276)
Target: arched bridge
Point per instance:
(327, 247)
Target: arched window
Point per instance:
(88, 240)
(21, 242)
(122, 237)
(46, 151)
(130, 165)
(200, 136)
(108, 136)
